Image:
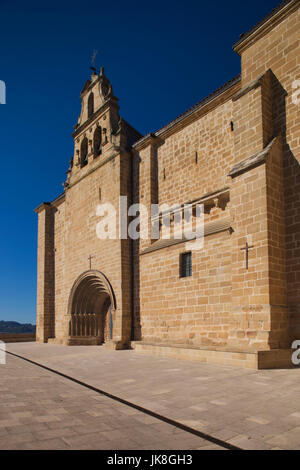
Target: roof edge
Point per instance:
(58, 199)
(268, 22)
(227, 86)
(47, 205)
(42, 206)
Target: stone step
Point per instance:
(271, 359)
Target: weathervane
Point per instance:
(93, 62)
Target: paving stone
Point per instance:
(57, 444)
(245, 412)
(71, 421)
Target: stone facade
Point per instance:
(237, 152)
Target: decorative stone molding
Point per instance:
(267, 24)
(218, 198)
(252, 161)
(210, 228)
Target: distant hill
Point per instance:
(15, 327)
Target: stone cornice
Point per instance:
(207, 106)
(203, 107)
(206, 199)
(252, 161)
(252, 86)
(57, 201)
(149, 139)
(210, 228)
(101, 163)
(49, 205)
(266, 25)
(43, 206)
(103, 108)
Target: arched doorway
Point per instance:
(91, 309)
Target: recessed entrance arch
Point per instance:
(91, 309)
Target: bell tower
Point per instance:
(98, 129)
(72, 257)
(100, 172)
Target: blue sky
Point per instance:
(161, 57)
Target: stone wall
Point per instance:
(76, 240)
(192, 162)
(17, 337)
(278, 48)
(194, 159)
(193, 310)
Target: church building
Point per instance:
(235, 301)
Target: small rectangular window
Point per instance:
(186, 264)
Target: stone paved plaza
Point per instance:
(42, 410)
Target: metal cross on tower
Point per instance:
(93, 61)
